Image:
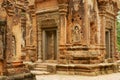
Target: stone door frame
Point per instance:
(44, 46)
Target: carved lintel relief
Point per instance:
(108, 6)
(48, 20)
(48, 23)
(109, 23)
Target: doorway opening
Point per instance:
(49, 44)
(108, 44)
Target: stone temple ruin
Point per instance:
(63, 36)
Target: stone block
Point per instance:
(51, 68)
(24, 76)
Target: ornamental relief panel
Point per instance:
(110, 7)
(75, 20)
(107, 6)
(109, 23)
(48, 19)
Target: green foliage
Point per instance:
(118, 31)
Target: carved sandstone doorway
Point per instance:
(49, 45)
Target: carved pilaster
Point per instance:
(102, 11)
(116, 54)
(63, 23)
(86, 24)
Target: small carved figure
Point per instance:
(76, 34)
(23, 37)
(76, 5)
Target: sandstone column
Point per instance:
(115, 50)
(16, 29)
(62, 28)
(102, 35)
(31, 51)
(34, 35)
(39, 44)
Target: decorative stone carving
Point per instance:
(29, 26)
(14, 10)
(50, 19)
(76, 5)
(23, 36)
(13, 47)
(31, 36)
(110, 7)
(76, 33)
(75, 21)
(109, 22)
(46, 21)
(23, 29)
(80, 21)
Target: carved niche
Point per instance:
(23, 29)
(13, 46)
(11, 54)
(23, 36)
(76, 33)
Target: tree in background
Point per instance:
(118, 31)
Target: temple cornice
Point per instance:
(59, 1)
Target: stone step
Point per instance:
(40, 72)
(40, 69)
(41, 66)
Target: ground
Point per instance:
(114, 76)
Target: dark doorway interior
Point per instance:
(108, 46)
(50, 44)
